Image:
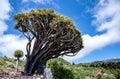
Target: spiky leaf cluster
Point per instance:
(18, 53)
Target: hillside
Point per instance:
(61, 67)
(110, 63)
(7, 64)
(116, 60)
(88, 70)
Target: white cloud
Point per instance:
(43, 2)
(39, 1)
(25, 0)
(3, 27)
(107, 14)
(8, 42)
(4, 9)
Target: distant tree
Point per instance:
(18, 54)
(73, 63)
(52, 34)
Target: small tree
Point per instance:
(18, 54)
(52, 34)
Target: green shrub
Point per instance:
(59, 71)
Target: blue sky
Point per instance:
(98, 20)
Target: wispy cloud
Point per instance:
(25, 0)
(43, 2)
(39, 1)
(4, 9)
(107, 18)
(8, 42)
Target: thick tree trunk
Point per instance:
(41, 67)
(26, 68)
(32, 66)
(36, 62)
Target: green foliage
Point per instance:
(86, 69)
(18, 53)
(61, 67)
(7, 64)
(116, 72)
(108, 65)
(59, 71)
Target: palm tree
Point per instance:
(18, 54)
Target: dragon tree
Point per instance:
(18, 54)
(51, 34)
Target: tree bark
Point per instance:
(36, 65)
(41, 67)
(26, 68)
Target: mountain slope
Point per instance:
(113, 60)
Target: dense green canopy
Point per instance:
(18, 53)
